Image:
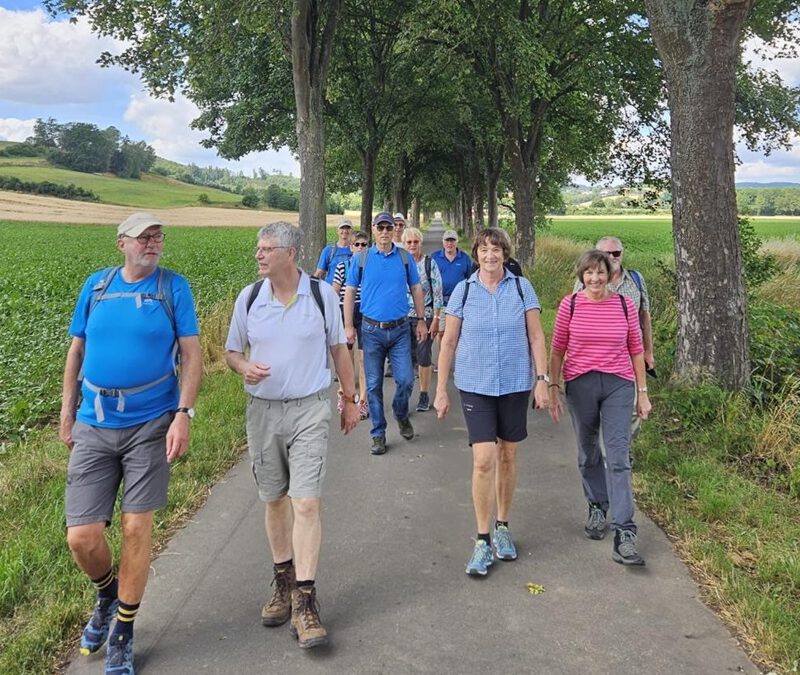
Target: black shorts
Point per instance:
(420, 351)
(493, 418)
(356, 324)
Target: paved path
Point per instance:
(392, 587)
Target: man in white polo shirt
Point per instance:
(289, 322)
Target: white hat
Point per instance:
(137, 223)
(399, 216)
(450, 234)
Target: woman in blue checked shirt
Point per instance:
(493, 329)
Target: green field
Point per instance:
(147, 192)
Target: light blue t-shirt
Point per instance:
(384, 284)
(493, 356)
(128, 346)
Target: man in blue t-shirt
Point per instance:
(453, 263)
(333, 254)
(124, 418)
(385, 273)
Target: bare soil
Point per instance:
(26, 207)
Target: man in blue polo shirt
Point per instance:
(124, 421)
(333, 254)
(454, 264)
(385, 274)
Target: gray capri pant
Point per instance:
(600, 403)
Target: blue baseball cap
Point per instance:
(383, 217)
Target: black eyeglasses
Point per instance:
(381, 228)
(616, 254)
(144, 239)
(360, 244)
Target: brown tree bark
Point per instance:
(699, 46)
(368, 159)
(312, 32)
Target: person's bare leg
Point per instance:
(425, 378)
(306, 537)
(89, 548)
(362, 378)
(278, 519)
(483, 483)
(505, 477)
(134, 563)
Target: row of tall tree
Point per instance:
(768, 201)
(442, 101)
(81, 146)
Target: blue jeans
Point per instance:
(396, 344)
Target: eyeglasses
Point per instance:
(360, 244)
(266, 250)
(381, 228)
(413, 241)
(451, 239)
(616, 254)
(144, 239)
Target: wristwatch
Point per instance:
(355, 398)
(186, 411)
(545, 378)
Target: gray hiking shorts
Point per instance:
(103, 458)
(288, 444)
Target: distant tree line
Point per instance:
(14, 184)
(81, 146)
(768, 201)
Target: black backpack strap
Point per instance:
(465, 296)
(254, 289)
(519, 290)
(317, 293)
(624, 306)
(428, 274)
(572, 305)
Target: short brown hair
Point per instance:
(494, 236)
(590, 260)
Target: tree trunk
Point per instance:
(494, 166)
(523, 178)
(311, 47)
(367, 188)
(415, 212)
(699, 47)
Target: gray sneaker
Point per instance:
(406, 430)
(625, 551)
(378, 445)
(596, 522)
(424, 403)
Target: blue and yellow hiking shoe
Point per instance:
(504, 548)
(95, 633)
(481, 560)
(119, 657)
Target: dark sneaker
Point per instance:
(596, 522)
(378, 445)
(504, 547)
(481, 559)
(424, 403)
(406, 430)
(306, 626)
(119, 656)
(625, 548)
(95, 633)
(278, 609)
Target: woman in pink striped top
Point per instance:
(597, 351)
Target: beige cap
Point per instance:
(344, 222)
(450, 234)
(137, 223)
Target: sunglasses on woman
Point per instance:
(359, 244)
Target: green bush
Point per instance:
(203, 198)
(774, 348)
(70, 191)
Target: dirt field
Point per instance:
(20, 206)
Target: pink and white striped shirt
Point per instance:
(597, 338)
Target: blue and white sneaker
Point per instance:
(95, 633)
(504, 548)
(481, 560)
(119, 657)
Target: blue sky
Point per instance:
(48, 69)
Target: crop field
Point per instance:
(148, 192)
(44, 266)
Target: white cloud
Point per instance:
(761, 56)
(166, 126)
(12, 129)
(43, 61)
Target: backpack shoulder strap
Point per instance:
(362, 263)
(165, 277)
(254, 290)
(624, 306)
(404, 257)
(572, 305)
(466, 294)
(519, 290)
(637, 279)
(99, 289)
(428, 263)
(317, 293)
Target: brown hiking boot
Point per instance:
(279, 608)
(305, 619)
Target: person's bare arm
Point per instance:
(647, 338)
(343, 363)
(538, 347)
(70, 390)
(349, 311)
(191, 374)
(447, 349)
